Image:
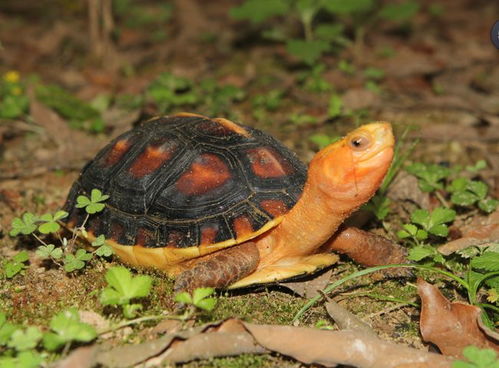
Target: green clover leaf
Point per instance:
(50, 224)
(67, 327)
(76, 261)
(103, 250)
(25, 339)
(49, 251)
(93, 204)
(16, 264)
(25, 226)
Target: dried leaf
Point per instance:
(309, 289)
(83, 357)
(450, 326)
(481, 232)
(329, 348)
(347, 320)
(308, 345)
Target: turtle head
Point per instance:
(350, 170)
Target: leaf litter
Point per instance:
(234, 337)
(450, 326)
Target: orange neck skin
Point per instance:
(340, 180)
(304, 229)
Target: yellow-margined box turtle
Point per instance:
(215, 203)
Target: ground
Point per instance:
(433, 75)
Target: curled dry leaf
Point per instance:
(329, 348)
(309, 289)
(347, 320)
(450, 326)
(233, 337)
(83, 357)
(481, 232)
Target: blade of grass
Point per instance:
(367, 271)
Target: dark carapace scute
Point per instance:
(184, 181)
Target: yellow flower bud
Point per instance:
(11, 76)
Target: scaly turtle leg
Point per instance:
(219, 269)
(365, 248)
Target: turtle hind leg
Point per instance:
(220, 269)
(286, 268)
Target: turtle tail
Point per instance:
(220, 269)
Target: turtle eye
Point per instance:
(360, 142)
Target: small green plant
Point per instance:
(169, 91)
(18, 345)
(77, 261)
(379, 206)
(430, 176)
(302, 119)
(258, 11)
(25, 339)
(467, 192)
(13, 100)
(316, 41)
(16, 265)
(463, 191)
(335, 106)
(123, 287)
(67, 328)
(401, 12)
(313, 79)
(269, 101)
(477, 358)
(425, 223)
(30, 224)
(94, 203)
(103, 250)
(217, 99)
(79, 114)
(323, 325)
(200, 298)
(24, 359)
(49, 251)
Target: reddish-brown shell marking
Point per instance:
(274, 206)
(117, 152)
(266, 163)
(206, 173)
(149, 161)
(242, 226)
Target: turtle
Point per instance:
(220, 204)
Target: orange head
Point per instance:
(348, 172)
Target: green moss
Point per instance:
(271, 307)
(244, 360)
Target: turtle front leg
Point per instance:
(220, 269)
(365, 248)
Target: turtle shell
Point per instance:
(187, 182)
